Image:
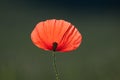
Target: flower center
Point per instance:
(54, 46)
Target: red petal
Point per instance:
(72, 39)
(60, 31)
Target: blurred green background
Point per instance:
(97, 58)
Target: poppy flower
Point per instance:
(56, 35)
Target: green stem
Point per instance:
(55, 67)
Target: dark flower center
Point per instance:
(54, 46)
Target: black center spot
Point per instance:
(54, 46)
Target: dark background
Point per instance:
(98, 57)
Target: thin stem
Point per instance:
(55, 67)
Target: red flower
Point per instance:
(56, 35)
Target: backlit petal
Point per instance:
(62, 32)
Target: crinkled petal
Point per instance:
(62, 32)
